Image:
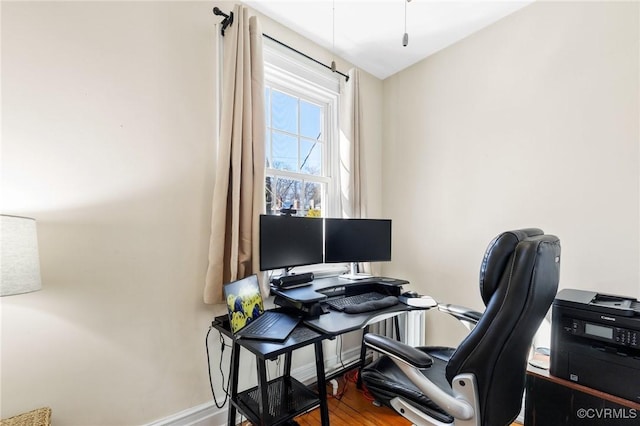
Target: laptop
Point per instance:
(247, 316)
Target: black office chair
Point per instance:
(482, 381)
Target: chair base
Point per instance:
(413, 414)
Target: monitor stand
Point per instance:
(353, 273)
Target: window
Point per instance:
(300, 112)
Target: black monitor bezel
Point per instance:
(266, 244)
(330, 239)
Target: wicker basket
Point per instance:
(39, 417)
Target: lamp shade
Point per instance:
(19, 261)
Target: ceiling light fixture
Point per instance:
(405, 37)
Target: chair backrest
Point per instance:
(518, 282)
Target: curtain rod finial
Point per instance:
(228, 19)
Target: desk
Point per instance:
(281, 399)
(335, 323)
(308, 299)
(551, 400)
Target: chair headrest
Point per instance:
(497, 256)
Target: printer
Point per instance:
(595, 341)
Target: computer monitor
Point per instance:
(288, 241)
(357, 240)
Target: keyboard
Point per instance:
(270, 326)
(343, 302)
(267, 320)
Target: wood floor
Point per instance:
(352, 406)
(355, 408)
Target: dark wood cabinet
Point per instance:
(554, 401)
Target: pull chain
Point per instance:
(333, 35)
(405, 37)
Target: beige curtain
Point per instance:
(352, 181)
(238, 196)
(353, 202)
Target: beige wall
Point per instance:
(108, 140)
(532, 122)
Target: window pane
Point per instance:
(284, 112)
(310, 120)
(284, 152)
(287, 193)
(312, 198)
(311, 157)
(282, 192)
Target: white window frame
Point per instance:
(291, 73)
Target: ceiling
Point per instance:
(368, 33)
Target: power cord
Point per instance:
(225, 389)
(339, 351)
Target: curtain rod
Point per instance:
(346, 77)
(228, 20)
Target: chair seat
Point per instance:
(386, 381)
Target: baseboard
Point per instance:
(307, 374)
(208, 414)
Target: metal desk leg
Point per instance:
(322, 384)
(235, 365)
(263, 403)
(287, 364)
(287, 391)
(363, 355)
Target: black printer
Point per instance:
(595, 341)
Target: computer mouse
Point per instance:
(423, 302)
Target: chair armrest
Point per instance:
(393, 348)
(462, 313)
